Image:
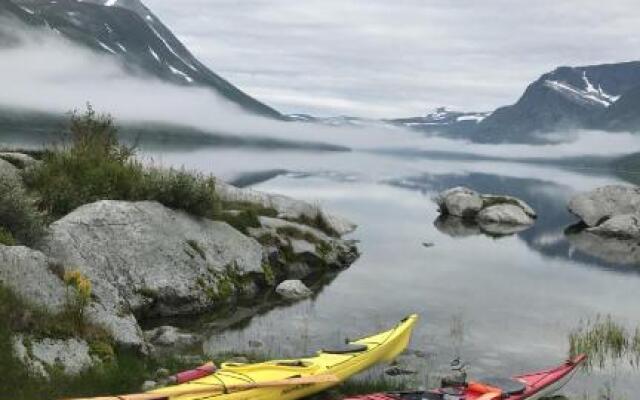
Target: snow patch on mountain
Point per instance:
(599, 91)
(578, 95)
(107, 48)
(154, 54)
(176, 71)
(27, 10)
(170, 48)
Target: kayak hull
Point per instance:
(381, 347)
(537, 385)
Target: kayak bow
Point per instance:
(342, 363)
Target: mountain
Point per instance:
(452, 123)
(568, 97)
(624, 114)
(128, 30)
(603, 97)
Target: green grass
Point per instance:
(604, 341)
(6, 238)
(242, 220)
(295, 233)
(319, 222)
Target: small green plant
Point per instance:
(102, 349)
(269, 275)
(6, 238)
(78, 296)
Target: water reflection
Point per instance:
(463, 227)
(608, 249)
(549, 235)
(518, 296)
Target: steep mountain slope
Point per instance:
(130, 31)
(568, 97)
(624, 114)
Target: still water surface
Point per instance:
(513, 298)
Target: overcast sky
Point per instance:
(383, 58)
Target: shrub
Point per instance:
(181, 190)
(91, 165)
(20, 221)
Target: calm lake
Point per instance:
(506, 304)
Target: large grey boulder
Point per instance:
(495, 215)
(489, 200)
(144, 258)
(42, 355)
(20, 160)
(8, 171)
(28, 273)
(506, 214)
(625, 226)
(460, 202)
(285, 206)
(293, 289)
(604, 202)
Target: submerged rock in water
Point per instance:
(466, 212)
(170, 336)
(42, 355)
(600, 204)
(293, 289)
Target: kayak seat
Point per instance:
(346, 349)
(508, 386)
(418, 396)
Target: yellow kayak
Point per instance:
(344, 362)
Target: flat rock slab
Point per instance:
(285, 206)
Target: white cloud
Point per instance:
(399, 57)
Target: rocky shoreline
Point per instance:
(145, 260)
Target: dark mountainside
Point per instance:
(603, 96)
(130, 31)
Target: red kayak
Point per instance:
(532, 386)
